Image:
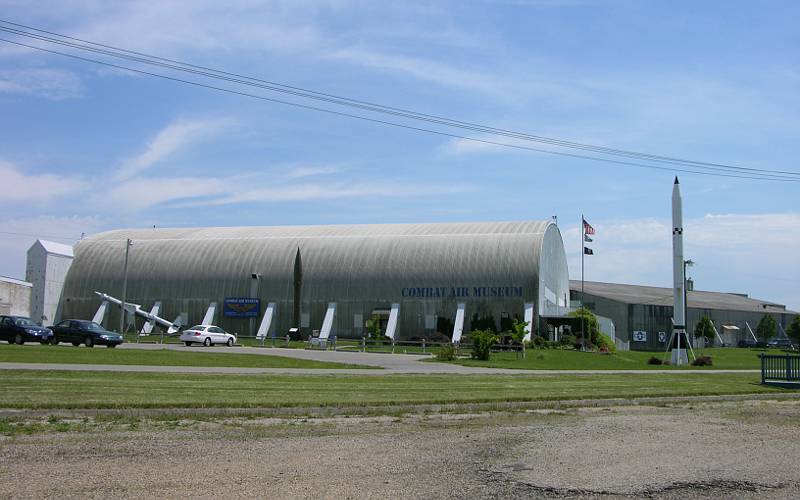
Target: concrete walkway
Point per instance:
(392, 364)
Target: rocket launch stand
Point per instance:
(679, 345)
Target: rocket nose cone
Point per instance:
(676, 180)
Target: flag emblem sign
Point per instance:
(588, 251)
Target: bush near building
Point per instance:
(793, 330)
(482, 342)
(767, 327)
(705, 329)
(593, 334)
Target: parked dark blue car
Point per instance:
(19, 329)
(89, 333)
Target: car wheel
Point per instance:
(230, 342)
(54, 341)
(187, 344)
(207, 342)
(89, 341)
(18, 339)
(76, 344)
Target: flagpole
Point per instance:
(583, 238)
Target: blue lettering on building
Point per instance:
(241, 307)
(461, 292)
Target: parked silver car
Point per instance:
(207, 335)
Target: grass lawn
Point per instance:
(54, 389)
(555, 359)
(104, 356)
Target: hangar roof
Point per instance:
(366, 261)
(638, 294)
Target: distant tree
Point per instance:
(767, 327)
(374, 329)
(518, 333)
(793, 330)
(590, 324)
(705, 328)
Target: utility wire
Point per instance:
(344, 101)
(754, 175)
(335, 100)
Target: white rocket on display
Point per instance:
(678, 270)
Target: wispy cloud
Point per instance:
(21, 187)
(437, 72)
(49, 83)
(367, 190)
(138, 194)
(168, 141)
(312, 171)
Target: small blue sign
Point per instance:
(241, 307)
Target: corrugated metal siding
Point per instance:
(360, 267)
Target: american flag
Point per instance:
(587, 228)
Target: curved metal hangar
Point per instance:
(419, 279)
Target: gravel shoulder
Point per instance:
(731, 449)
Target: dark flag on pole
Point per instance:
(587, 228)
(588, 251)
(586, 238)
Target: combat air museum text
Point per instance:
(433, 292)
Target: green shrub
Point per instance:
(567, 340)
(537, 342)
(482, 342)
(447, 352)
(590, 324)
(654, 361)
(604, 343)
(702, 361)
(374, 330)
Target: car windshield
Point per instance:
(197, 327)
(91, 326)
(24, 322)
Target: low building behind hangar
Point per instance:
(642, 315)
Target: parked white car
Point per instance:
(207, 335)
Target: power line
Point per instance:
(755, 174)
(344, 101)
(137, 59)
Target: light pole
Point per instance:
(122, 318)
(686, 263)
(254, 294)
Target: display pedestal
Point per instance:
(679, 357)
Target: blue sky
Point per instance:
(85, 148)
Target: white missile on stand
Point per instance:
(679, 347)
(172, 327)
